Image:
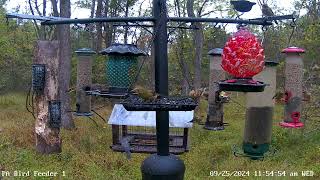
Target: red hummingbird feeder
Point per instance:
(242, 57)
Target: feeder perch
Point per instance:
(242, 57)
(242, 5)
(54, 114)
(84, 80)
(121, 68)
(38, 77)
(293, 88)
(214, 119)
(259, 114)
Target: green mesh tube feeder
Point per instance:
(121, 66)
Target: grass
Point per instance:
(86, 153)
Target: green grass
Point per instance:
(86, 153)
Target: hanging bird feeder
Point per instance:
(54, 113)
(121, 67)
(242, 57)
(242, 5)
(38, 77)
(293, 88)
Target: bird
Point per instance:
(196, 94)
(145, 94)
(266, 10)
(125, 144)
(279, 97)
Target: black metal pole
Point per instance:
(97, 20)
(263, 22)
(161, 72)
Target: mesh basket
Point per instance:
(121, 71)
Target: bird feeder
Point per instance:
(121, 66)
(259, 114)
(293, 87)
(54, 114)
(242, 57)
(242, 5)
(84, 80)
(38, 77)
(215, 104)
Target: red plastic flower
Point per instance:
(243, 55)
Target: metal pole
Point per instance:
(161, 72)
(220, 20)
(97, 20)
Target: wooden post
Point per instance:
(84, 80)
(215, 106)
(293, 88)
(47, 138)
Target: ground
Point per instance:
(86, 153)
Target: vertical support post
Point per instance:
(259, 113)
(84, 80)
(162, 165)
(293, 88)
(215, 105)
(48, 138)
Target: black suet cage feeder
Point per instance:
(54, 113)
(38, 77)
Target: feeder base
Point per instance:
(157, 167)
(83, 114)
(255, 150)
(242, 85)
(291, 124)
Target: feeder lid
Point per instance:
(242, 5)
(293, 50)
(123, 49)
(215, 52)
(85, 51)
(271, 63)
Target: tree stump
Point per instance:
(47, 138)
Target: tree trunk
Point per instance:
(65, 66)
(198, 42)
(91, 26)
(108, 26)
(126, 29)
(47, 138)
(99, 26)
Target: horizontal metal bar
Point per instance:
(274, 18)
(151, 26)
(27, 16)
(97, 20)
(220, 20)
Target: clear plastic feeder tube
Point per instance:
(259, 113)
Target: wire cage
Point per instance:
(142, 139)
(136, 130)
(38, 77)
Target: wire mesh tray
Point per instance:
(135, 103)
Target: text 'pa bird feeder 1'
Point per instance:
(121, 66)
(84, 80)
(293, 88)
(243, 57)
(259, 114)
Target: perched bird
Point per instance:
(266, 10)
(279, 97)
(196, 94)
(125, 144)
(145, 94)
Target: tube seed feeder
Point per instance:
(84, 80)
(259, 114)
(293, 88)
(121, 67)
(54, 113)
(242, 57)
(215, 103)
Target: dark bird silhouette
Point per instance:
(125, 144)
(266, 10)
